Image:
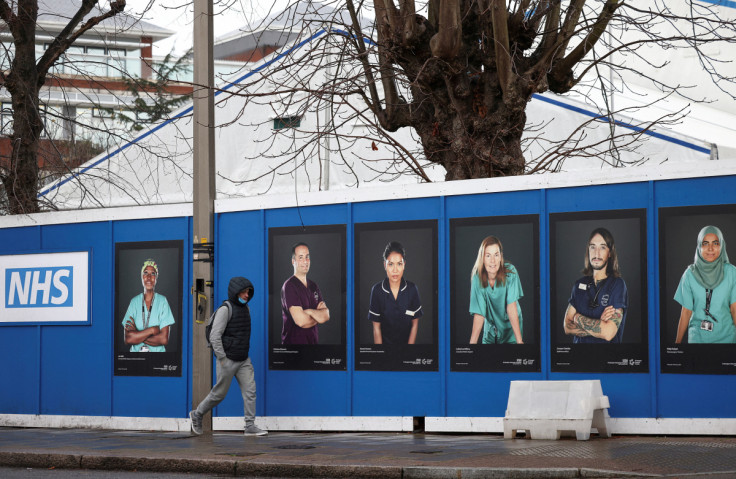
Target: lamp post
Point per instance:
(204, 200)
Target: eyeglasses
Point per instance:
(154, 274)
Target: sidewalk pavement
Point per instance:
(368, 455)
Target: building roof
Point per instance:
(281, 28)
(53, 15)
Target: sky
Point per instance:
(229, 15)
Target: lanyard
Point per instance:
(143, 311)
(708, 295)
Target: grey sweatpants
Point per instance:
(243, 372)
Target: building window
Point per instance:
(103, 112)
(6, 118)
(92, 50)
(287, 122)
(92, 60)
(143, 117)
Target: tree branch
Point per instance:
(569, 26)
(552, 25)
(408, 11)
(445, 44)
(587, 44)
(385, 13)
(7, 15)
(375, 101)
(501, 44)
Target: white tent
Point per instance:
(255, 156)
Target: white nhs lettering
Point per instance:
(39, 287)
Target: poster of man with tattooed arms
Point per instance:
(598, 291)
(596, 310)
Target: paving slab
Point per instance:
(367, 455)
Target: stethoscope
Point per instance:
(594, 303)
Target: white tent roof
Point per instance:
(251, 157)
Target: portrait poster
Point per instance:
(418, 289)
(153, 344)
(493, 350)
(322, 347)
(679, 228)
(570, 238)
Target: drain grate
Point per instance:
(295, 446)
(238, 454)
(564, 449)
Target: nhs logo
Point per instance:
(39, 287)
(44, 288)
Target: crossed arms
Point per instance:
(306, 318)
(605, 328)
(153, 336)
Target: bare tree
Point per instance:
(24, 80)
(460, 74)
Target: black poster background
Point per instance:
(129, 258)
(678, 236)
(328, 269)
(569, 234)
(519, 236)
(419, 239)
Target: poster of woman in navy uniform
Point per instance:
(396, 296)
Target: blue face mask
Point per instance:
(242, 301)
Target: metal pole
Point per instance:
(204, 198)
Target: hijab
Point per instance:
(709, 275)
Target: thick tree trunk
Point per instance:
(21, 181)
(473, 132)
(470, 118)
(472, 67)
(504, 158)
(23, 83)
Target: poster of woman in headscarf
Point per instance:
(148, 307)
(697, 290)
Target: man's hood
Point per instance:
(238, 284)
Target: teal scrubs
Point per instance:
(691, 295)
(490, 302)
(160, 316)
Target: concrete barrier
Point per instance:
(551, 409)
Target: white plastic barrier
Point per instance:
(550, 409)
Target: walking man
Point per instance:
(230, 341)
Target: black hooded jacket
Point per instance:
(236, 337)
